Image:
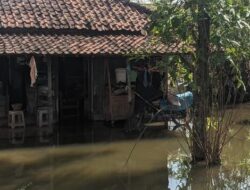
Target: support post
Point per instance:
(106, 63)
(8, 85)
(92, 86)
(166, 92)
(201, 81)
(129, 81)
(50, 98)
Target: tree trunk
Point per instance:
(202, 86)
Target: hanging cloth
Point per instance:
(33, 71)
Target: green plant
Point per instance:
(215, 34)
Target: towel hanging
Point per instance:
(33, 71)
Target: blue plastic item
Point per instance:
(185, 99)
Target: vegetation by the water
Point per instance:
(215, 42)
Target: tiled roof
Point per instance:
(80, 44)
(99, 15)
(76, 27)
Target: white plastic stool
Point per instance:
(16, 119)
(45, 134)
(17, 135)
(43, 116)
(17, 123)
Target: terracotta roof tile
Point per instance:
(103, 15)
(81, 45)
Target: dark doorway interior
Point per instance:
(71, 88)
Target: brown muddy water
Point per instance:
(158, 162)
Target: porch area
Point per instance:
(68, 89)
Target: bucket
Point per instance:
(121, 75)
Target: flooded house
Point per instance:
(61, 58)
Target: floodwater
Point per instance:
(158, 162)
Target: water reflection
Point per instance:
(157, 163)
(183, 176)
(234, 173)
(101, 166)
(179, 169)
